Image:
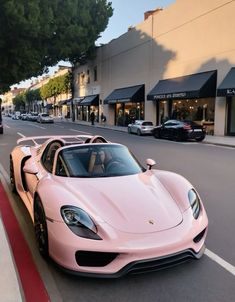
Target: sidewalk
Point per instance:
(9, 283)
(19, 278)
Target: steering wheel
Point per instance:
(115, 165)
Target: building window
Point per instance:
(95, 74)
(82, 79)
(88, 76)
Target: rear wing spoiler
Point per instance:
(34, 139)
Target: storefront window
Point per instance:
(163, 112)
(126, 113)
(85, 113)
(231, 129)
(201, 110)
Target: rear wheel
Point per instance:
(139, 132)
(40, 228)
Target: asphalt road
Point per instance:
(210, 168)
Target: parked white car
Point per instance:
(141, 127)
(45, 118)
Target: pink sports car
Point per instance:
(98, 212)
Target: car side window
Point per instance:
(61, 167)
(49, 155)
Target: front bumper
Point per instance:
(136, 253)
(196, 134)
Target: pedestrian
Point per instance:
(103, 118)
(92, 117)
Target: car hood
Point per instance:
(134, 204)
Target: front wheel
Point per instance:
(200, 139)
(156, 134)
(40, 228)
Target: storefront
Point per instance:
(227, 89)
(127, 104)
(190, 97)
(64, 108)
(86, 105)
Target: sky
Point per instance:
(128, 13)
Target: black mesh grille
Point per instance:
(159, 263)
(95, 259)
(199, 236)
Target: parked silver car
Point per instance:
(32, 116)
(45, 118)
(140, 127)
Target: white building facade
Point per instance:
(178, 63)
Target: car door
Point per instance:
(166, 129)
(134, 127)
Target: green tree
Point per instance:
(56, 86)
(19, 101)
(37, 34)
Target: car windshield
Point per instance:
(97, 160)
(45, 115)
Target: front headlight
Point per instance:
(79, 222)
(194, 202)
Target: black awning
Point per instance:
(64, 102)
(126, 94)
(49, 106)
(61, 103)
(78, 100)
(227, 87)
(90, 100)
(194, 86)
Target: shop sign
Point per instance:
(170, 96)
(231, 91)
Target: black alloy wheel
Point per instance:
(40, 228)
(199, 139)
(12, 177)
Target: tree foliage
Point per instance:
(19, 101)
(36, 34)
(26, 98)
(56, 86)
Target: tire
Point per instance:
(40, 228)
(12, 177)
(139, 132)
(200, 139)
(156, 134)
(129, 130)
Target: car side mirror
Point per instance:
(150, 163)
(30, 168)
